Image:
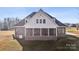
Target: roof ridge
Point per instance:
(33, 13)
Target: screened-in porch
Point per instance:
(44, 31)
(40, 32)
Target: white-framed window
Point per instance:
(37, 21)
(40, 21)
(44, 21)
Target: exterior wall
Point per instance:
(61, 31)
(20, 31)
(31, 23)
(41, 38)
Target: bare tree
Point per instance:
(5, 24)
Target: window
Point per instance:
(52, 31)
(36, 20)
(29, 32)
(40, 20)
(36, 32)
(44, 21)
(26, 21)
(45, 32)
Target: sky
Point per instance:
(63, 14)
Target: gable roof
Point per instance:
(22, 22)
(33, 13)
(56, 21)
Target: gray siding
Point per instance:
(19, 31)
(59, 32)
(41, 38)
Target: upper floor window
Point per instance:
(44, 21)
(41, 21)
(26, 21)
(36, 20)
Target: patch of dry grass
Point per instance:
(73, 30)
(7, 43)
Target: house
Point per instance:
(39, 26)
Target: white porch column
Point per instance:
(48, 31)
(25, 32)
(32, 31)
(25, 29)
(40, 32)
(56, 31)
(64, 30)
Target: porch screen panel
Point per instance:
(44, 31)
(61, 30)
(36, 32)
(52, 31)
(29, 32)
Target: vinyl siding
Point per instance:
(19, 31)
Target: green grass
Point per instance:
(67, 43)
(10, 45)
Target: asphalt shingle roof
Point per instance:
(22, 22)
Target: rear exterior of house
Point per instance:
(39, 26)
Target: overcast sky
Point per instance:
(64, 14)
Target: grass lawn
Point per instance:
(7, 43)
(68, 43)
(73, 30)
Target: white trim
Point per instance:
(25, 30)
(48, 31)
(61, 26)
(19, 26)
(65, 30)
(32, 31)
(40, 32)
(56, 32)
